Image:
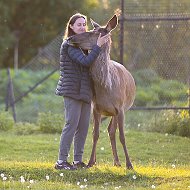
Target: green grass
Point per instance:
(160, 161)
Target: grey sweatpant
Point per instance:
(77, 118)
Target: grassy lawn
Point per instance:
(160, 161)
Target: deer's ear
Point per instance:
(112, 23)
(94, 24)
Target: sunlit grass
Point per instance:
(160, 161)
(42, 175)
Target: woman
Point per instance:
(75, 86)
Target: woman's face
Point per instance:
(79, 26)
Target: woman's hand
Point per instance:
(102, 40)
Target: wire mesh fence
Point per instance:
(156, 52)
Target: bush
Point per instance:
(50, 123)
(172, 122)
(146, 97)
(6, 121)
(26, 129)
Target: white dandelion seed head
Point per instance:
(153, 186)
(139, 125)
(2, 175)
(31, 181)
(61, 174)
(78, 183)
(82, 186)
(173, 165)
(166, 134)
(102, 148)
(4, 178)
(157, 26)
(47, 177)
(22, 180)
(85, 180)
(134, 177)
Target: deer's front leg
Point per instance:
(97, 118)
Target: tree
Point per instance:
(32, 24)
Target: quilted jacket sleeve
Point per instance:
(77, 55)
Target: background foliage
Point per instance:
(35, 22)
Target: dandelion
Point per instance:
(61, 174)
(22, 180)
(102, 148)
(47, 177)
(85, 180)
(139, 125)
(78, 183)
(4, 178)
(157, 26)
(2, 175)
(166, 134)
(134, 177)
(173, 165)
(153, 186)
(31, 181)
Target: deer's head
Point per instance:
(86, 40)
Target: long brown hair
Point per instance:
(69, 31)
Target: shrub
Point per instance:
(6, 121)
(172, 122)
(50, 123)
(26, 128)
(146, 97)
(183, 127)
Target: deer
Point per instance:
(114, 89)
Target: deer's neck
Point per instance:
(100, 69)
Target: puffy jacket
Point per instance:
(75, 80)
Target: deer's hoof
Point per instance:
(117, 164)
(90, 164)
(130, 166)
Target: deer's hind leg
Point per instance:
(97, 119)
(112, 130)
(121, 120)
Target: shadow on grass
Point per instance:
(101, 176)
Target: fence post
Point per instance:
(10, 95)
(121, 31)
(189, 95)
